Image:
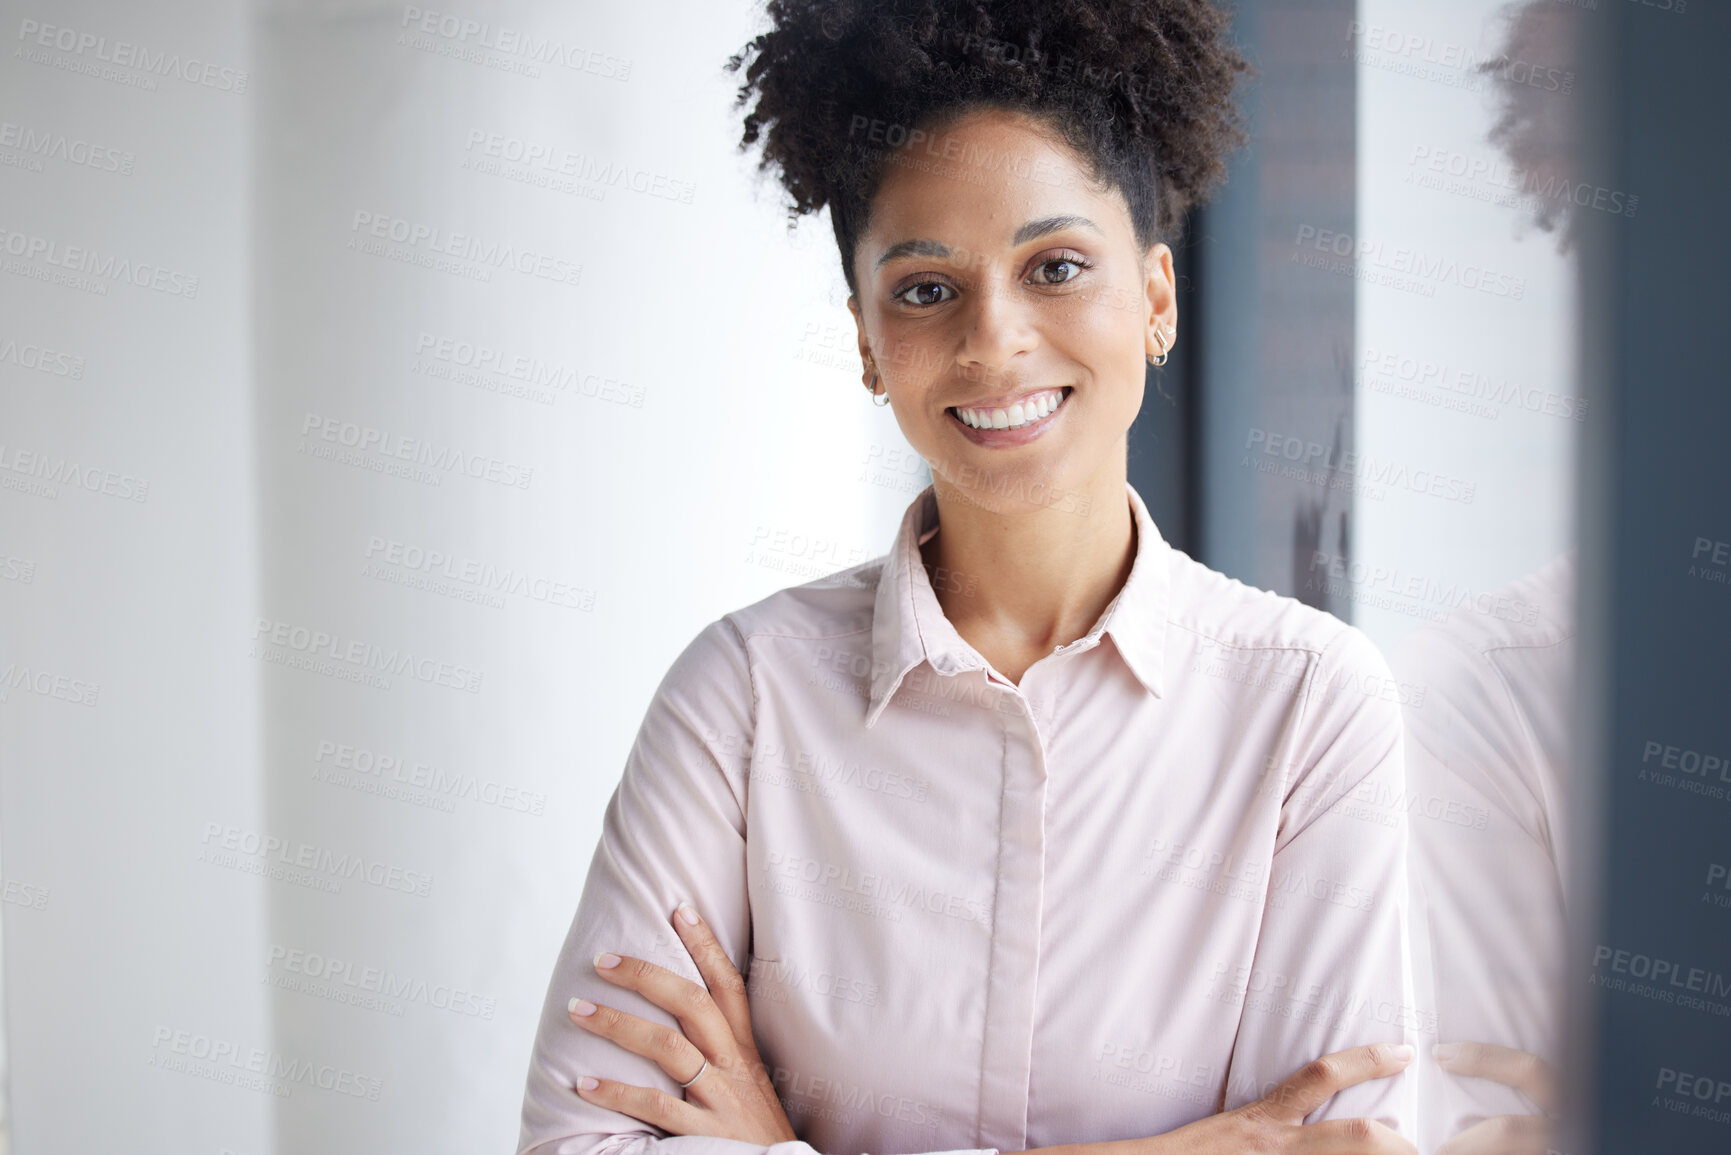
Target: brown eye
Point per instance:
(925, 292)
(1073, 270)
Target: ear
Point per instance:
(1160, 285)
(865, 349)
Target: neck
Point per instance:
(1018, 584)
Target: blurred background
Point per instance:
(388, 393)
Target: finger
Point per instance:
(685, 1000)
(1350, 1137)
(1504, 1135)
(726, 985)
(1317, 1082)
(1526, 1073)
(662, 1045)
(650, 1104)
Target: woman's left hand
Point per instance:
(733, 1097)
(1504, 1134)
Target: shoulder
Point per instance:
(833, 606)
(1345, 713)
(1498, 645)
(1222, 611)
(719, 656)
(1496, 675)
(1534, 611)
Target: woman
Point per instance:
(1037, 831)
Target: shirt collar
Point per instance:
(909, 626)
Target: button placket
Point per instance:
(1007, 1055)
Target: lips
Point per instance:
(1023, 412)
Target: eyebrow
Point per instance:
(1033, 230)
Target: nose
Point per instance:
(999, 328)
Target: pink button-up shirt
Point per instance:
(1146, 884)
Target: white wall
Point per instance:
(724, 457)
(1446, 369)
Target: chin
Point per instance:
(1013, 490)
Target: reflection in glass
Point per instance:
(1479, 384)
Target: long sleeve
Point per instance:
(1487, 877)
(1331, 968)
(675, 829)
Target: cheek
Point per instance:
(910, 356)
(1106, 336)
(1116, 312)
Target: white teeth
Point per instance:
(1017, 415)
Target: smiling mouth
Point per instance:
(1029, 410)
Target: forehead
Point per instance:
(982, 177)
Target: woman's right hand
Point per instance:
(1274, 1124)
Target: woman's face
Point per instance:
(999, 287)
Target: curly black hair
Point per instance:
(1141, 89)
(1538, 126)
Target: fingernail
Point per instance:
(1443, 1052)
(582, 1007)
(1404, 1052)
(588, 1083)
(687, 912)
(606, 960)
